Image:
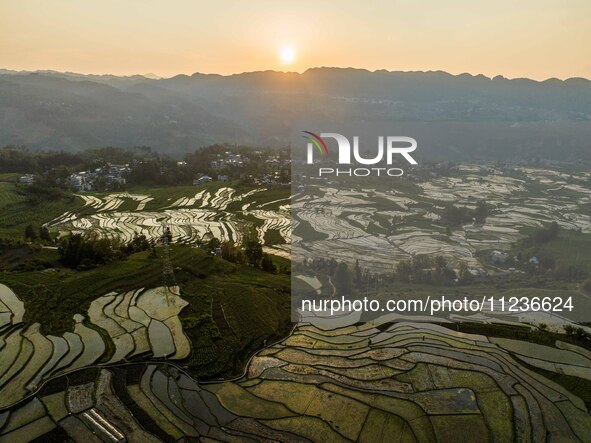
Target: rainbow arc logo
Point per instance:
(317, 141)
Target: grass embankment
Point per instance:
(232, 309)
(20, 207)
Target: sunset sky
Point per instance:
(526, 38)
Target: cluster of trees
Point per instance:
(7, 244)
(38, 192)
(552, 260)
(576, 332)
(559, 270)
(159, 171)
(33, 235)
(345, 279)
(255, 165)
(425, 269)
(529, 247)
(454, 216)
(85, 252)
(251, 252)
(419, 269)
(21, 160)
(88, 251)
(542, 235)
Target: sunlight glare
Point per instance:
(287, 55)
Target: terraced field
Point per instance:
(140, 322)
(376, 382)
(113, 376)
(350, 223)
(192, 214)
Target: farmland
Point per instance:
(193, 214)
(373, 382)
(375, 230)
(225, 311)
(347, 221)
(112, 351)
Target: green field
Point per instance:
(232, 309)
(570, 252)
(18, 209)
(9, 177)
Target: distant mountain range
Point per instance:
(452, 116)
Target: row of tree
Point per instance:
(425, 269)
(88, 251)
(35, 235)
(419, 269)
(53, 168)
(251, 252)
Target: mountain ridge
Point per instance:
(151, 76)
(72, 111)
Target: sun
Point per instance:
(287, 55)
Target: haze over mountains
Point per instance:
(453, 117)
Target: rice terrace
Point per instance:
(198, 216)
(185, 331)
(261, 222)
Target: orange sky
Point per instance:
(516, 38)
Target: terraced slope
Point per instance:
(141, 322)
(201, 213)
(377, 382)
(380, 227)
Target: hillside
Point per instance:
(232, 309)
(453, 117)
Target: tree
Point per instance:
(464, 275)
(138, 243)
(544, 235)
(481, 212)
(253, 248)
(455, 215)
(342, 279)
(404, 271)
(30, 233)
(267, 264)
(358, 273)
(167, 235)
(231, 252)
(44, 234)
(213, 244)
